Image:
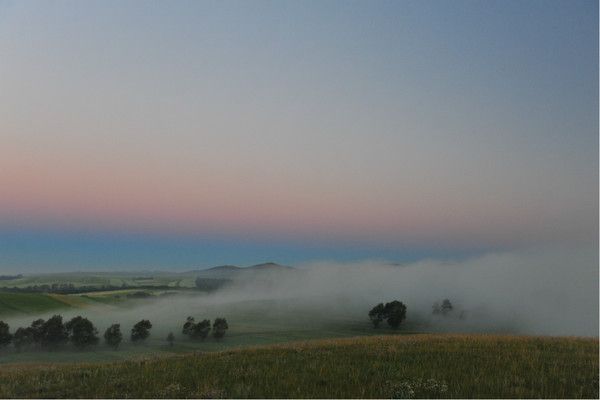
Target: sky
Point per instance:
(170, 135)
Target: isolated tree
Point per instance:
(53, 332)
(170, 339)
(82, 332)
(394, 312)
(376, 315)
(141, 331)
(436, 309)
(188, 326)
(219, 328)
(446, 306)
(5, 336)
(201, 330)
(23, 337)
(113, 336)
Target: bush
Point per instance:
(170, 339)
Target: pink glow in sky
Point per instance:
(301, 123)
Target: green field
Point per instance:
(452, 366)
(98, 279)
(35, 303)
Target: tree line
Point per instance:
(69, 288)
(80, 332)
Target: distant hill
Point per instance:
(268, 266)
(235, 272)
(224, 268)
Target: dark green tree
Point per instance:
(23, 337)
(141, 331)
(113, 336)
(53, 332)
(5, 336)
(220, 326)
(394, 312)
(37, 330)
(170, 339)
(82, 332)
(376, 315)
(188, 326)
(201, 330)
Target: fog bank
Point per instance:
(541, 291)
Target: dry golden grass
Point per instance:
(471, 366)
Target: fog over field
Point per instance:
(544, 291)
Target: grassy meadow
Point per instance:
(401, 366)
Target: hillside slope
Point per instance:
(467, 366)
(32, 303)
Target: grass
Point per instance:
(34, 303)
(453, 366)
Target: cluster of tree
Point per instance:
(79, 331)
(10, 277)
(200, 330)
(210, 284)
(69, 288)
(444, 308)
(393, 312)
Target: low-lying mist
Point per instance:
(544, 291)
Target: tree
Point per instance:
(82, 332)
(53, 332)
(395, 313)
(141, 331)
(436, 309)
(219, 328)
(376, 315)
(170, 339)
(113, 336)
(201, 329)
(37, 330)
(188, 326)
(195, 330)
(23, 337)
(5, 336)
(446, 306)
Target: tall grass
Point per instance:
(368, 367)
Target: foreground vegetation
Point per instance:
(367, 367)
